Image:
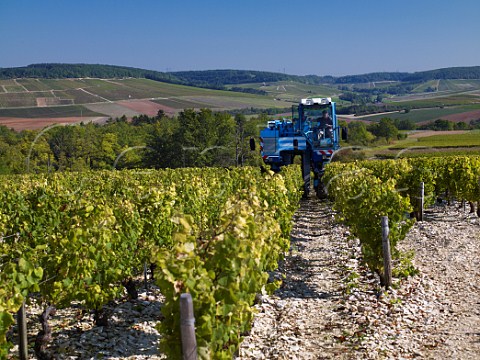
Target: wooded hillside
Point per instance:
(220, 78)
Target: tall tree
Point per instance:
(162, 148)
(358, 134)
(384, 129)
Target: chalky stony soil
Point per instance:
(329, 306)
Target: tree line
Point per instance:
(60, 71)
(360, 133)
(191, 139)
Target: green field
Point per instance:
(235, 102)
(7, 82)
(432, 99)
(33, 85)
(62, 84)
(78, 96)
(14, 88)
(471, 138)
(421, 152)
(19, 99)
(292, 91)
(459, 85)
(424, 86)
(443, 140)
(424, 115)
(435, 145)
(438, 152)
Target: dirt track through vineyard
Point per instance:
(301, 321)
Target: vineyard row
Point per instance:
(214, 233)
(365, 191)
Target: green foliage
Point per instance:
(351, 282)
(403, 267)
(18, 278)
(404, 124)
(358, 134)
(371, 77)
(362, 199)
(384, 129)
(472, 72)
(461, 126)
(439, 124)
(356, 98)
(366, 190)
(460, 175)
(83, 234)
(225, 265)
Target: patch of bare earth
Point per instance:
(20, 124)
(464, 116)
(146, 107)
(112, 110)
(41, 101)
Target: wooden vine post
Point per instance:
(145, 276)
(187, 328)
(22, 333)
(421, 201)
(387, 257)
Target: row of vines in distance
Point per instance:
(364, 191)
(214, 233)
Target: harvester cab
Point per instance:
(312, 132)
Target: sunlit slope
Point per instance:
(32, 97)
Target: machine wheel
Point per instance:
(306, 173)
(306, 193)
(321, 191)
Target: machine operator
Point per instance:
(326, 123)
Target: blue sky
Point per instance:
(296, 37)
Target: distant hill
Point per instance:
(62, 71)
(208, 78)
(37, 95)
(453, 73)
(218, 79)
(371, 77)
(237, 77)
(231, 77)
